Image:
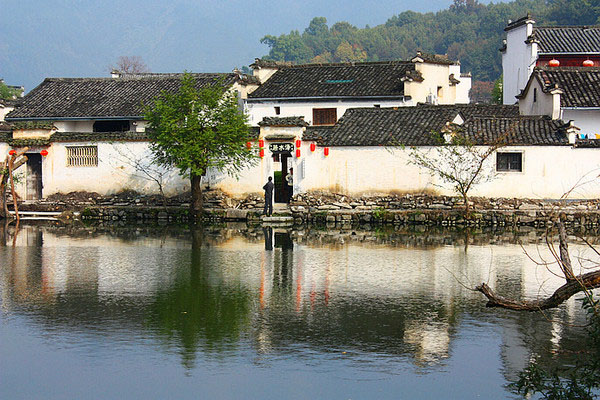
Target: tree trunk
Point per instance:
(196, 205)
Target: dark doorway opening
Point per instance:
(34, 176)
(282, 192)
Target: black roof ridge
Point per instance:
(125, 77)
(567, 68)
(348, 64)
(566, 27)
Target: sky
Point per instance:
(82, 38)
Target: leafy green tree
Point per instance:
(196, 129)
(497, 91)
(7, 93)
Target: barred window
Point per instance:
(82, 156)
(506, 162)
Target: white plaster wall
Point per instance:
(74, 126)
(462, 89)
(113, 173)
(257, 111)
(518, 62)
(588, 121)
(434, 75)
(543, 105)
(4, 110)
(548, 172)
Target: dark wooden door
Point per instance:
(281, 189)
(34, 176)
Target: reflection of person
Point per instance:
(268, 232)
(268, 188)
(289, 178)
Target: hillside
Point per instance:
(467, 31)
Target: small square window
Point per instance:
(324, 116)
(509, 162)
(277, 110)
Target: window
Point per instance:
(324, 116)
(439, 92)
(509, 162)
(277, 110)
(111, 126)
(534, 95)
(82, 156)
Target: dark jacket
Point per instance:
(268, 188)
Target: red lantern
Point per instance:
(44, 152)
(261, 153)
(298, 143)
(261, 143)
(248, 145)
(554, 63)
(326, 151)
(12, 152)
(313, 147)
(588, 63)
(297, 153)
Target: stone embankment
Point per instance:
(329, 209)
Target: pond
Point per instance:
(236, 312)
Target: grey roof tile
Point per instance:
(580, 85)
(338, 80)
(418, 126)
(58, 98)
(567, 39)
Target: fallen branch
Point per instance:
(581, 283)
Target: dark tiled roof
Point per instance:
(260, 63)
(434, 58)
(316, 133)
(567, 39)
(580, 85)
(519, 22)
(98, 136)
(57, 98)
(417, 126)
(283, 121)
(337, 80)
(5, 126)
(5, 136)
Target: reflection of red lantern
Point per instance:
(261, 153)
(261, 143)
(44, 152)
(298, 143)
(12, 152)
(554, 62)
(313, 147)
(588, 63)
(248, 145)
(297, 153)
(326, 151)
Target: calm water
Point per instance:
(249, 313)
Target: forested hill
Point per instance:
(467, 31)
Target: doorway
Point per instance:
(282, 194)
(33, 181)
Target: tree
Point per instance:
(497, 91)
(130, 65)
(8, 93)
(196, 129)
(457, 161)
(7, 168)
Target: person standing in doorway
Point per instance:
(268, 188)
(289, 178)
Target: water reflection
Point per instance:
(220, 292)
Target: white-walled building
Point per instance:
(528, 46)
(321, 93)
(567, 93)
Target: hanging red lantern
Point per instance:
(326, 151)
(248, 145)
(588, 63)
(12, 152)
(297, 153)
(44, 152)
(298, 143)
(261, 153)
(313, 147)
(554, 63)
(261, 143)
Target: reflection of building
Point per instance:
(380, 299)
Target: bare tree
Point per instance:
(7, 168)
(457, 161)
(130, 65)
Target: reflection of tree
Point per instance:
(200, 310)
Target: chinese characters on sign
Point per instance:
(281, 147)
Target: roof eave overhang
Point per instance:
(326, 98)
(582, 53)
(95, 118)
(596, 108)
